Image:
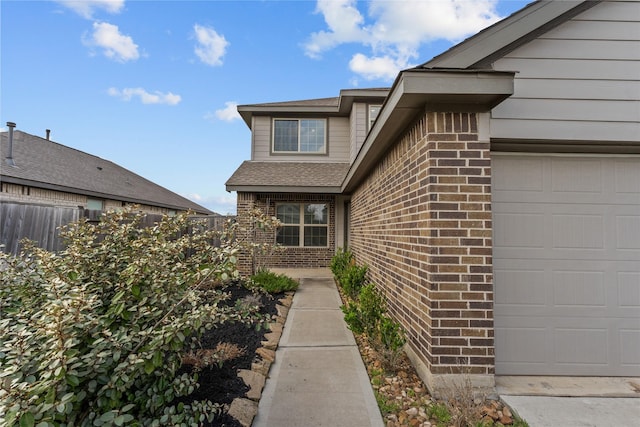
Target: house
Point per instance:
(59, 183)
(493, 191)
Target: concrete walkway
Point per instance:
(318, 377)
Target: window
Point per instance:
(94, 204)
(299, 136)
(303, 224)
(373, 114)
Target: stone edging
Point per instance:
(244, 409)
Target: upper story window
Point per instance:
(300, 136)
(374, 110)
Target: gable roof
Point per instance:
(46, 164)
(481, 49)
(288, 177)
(339, 105)
(461, 76)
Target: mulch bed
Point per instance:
(222, 384)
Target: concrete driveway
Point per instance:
(573, 402)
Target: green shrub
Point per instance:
(372, 307)
(366, 315)
(94, 335)
(273, 283)
(353, 279)
(353, 317)
(340, 261)
(391, 334)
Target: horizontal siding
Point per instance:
(616, 50)
(569, 109)
(595, 30)
(580, 81)
(621, 90)
(261, 135)
(620, 11)
(339, 139)
(570, 69)
(339, 136)
(359, 126)
(564, 130)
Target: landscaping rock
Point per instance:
(254, 381)
(266, 354)
(273, 338)
(243, 410)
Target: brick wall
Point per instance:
(285, 257)
(422, 222)
(26, 194)
(40, 196)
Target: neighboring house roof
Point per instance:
(288, 177)
(46, 164)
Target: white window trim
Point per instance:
(298, 119)
(301, 225)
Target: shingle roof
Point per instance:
(320, 102)
(47, 164)
(285, 176)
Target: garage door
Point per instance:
(566, 265)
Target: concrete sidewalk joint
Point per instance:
(318, 377)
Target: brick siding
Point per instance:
(285, 257)
(40, 196)
(421, 221)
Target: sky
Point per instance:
(153, 85)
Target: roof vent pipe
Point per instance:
(9, 158)
(48, 133)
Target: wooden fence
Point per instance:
(41, 223)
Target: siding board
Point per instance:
(614, 11)
(580, 49)
(570, 69)
(595, 30)
(555, 130)
(620, 90)
(568, 109)
(579, 81)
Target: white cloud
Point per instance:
(116, 45)
(86, 8)
(145, 97)
(227, 114)
(211, 46)
(394, 30)
(372, 68)
(344, 23)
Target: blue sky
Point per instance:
(153, 85)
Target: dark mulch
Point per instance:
(222, 384)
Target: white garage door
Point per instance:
(566, 265)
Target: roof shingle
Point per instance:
(325, 176)
(44, 163)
